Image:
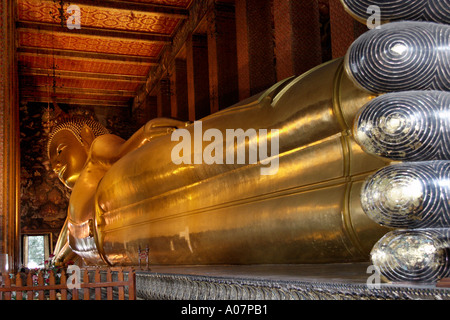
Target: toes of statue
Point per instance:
(406, 126)
(416, 255)
(406, 65)
(396, 10)
(401, 56)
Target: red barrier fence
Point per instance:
(45, 285)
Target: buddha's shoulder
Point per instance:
(106, 146)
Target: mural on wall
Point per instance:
(43, 198)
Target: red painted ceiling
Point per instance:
(102, 63)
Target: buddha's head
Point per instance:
(68, 147)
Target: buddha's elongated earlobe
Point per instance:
(87, 137)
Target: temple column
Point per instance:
(222, 57)
(255, 47)
(151, 106)
(146, 110)
(178, 83)
(197, 76)
(9, 139)
(344, 29)
(164, 97)
(297, 36)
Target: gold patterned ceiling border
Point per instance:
(89, 43)
(85, 75)
(103, 94)
(78, 102)
(173, 3)
(168, 7)
(101, 17)
(117, 45)
(81, 92)
(41, 80)
(32, 63)
(87, 56)
(90, 96)
(95, 32)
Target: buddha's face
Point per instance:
(67, 157)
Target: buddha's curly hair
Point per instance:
(75, 125)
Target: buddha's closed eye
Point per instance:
(60, 148)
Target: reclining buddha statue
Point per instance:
(290, 175)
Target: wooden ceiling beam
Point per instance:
(81, 75)
(174, 12)
(80, 91)
(81, 102)
(87, 55)
(94, 32)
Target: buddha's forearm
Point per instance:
(151, 130)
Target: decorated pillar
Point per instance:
(151, 107)
(255, 47)
(297, 36)
(164, 97)
(197, 76)
(146, 110)
(344, 29)
(222, 57)
(9, 139)
(178, 84)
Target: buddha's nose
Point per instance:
(57, 167)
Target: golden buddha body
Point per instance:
(293, 184)
(130, 195)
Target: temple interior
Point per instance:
(124, 63)
(127, 62)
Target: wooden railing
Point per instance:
(45, 285)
